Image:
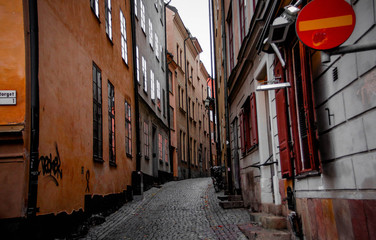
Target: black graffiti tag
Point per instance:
(51, 167)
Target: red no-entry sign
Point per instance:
(325, 24)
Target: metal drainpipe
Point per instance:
(135, 83)
(227, 120)
(186, 103)
(218, 145)
(34, 98)
(168, 92)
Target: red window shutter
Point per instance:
(242, 139)
(283, 125)
(247, 131)
(253, 113)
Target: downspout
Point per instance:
(218, 145)
(34, 95)
(186, 104)
(168, 93)
(136, 176)
(227, 120)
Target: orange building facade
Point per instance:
(84, 101)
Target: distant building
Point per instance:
(69, 135)
(189, 129)
(153, 95)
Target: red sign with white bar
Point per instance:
(325, 24)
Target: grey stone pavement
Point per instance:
(185, 209)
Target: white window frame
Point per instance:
(145, 77)
(156, 46)
(152, 85)
(151, 33)
(142, 16)
(108, 13)
(123, 30)
(135, 8)
(138, 65)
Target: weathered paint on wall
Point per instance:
(337, 218)
(13, 165)
(71, 39)
(12, 60)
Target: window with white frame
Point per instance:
(135, 8)
(152, 85)
(158, 94)
(151, 33)
(138, 65)
(108, 13)
(123, 30)
(156, 46)
(128, 130)
(142, 15)
(144, 74)
(95, 7)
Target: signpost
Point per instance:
(8, 97)
(324, 24)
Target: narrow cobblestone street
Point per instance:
(179, 210)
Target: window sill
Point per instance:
(109, 39)
(98, 160)
(310, 173)
(182, 110)
(95, 15)
(113, 164)
(129, 155)
(126, 64)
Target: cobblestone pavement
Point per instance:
(185, 209)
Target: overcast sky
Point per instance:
(195, 15)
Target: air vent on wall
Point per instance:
(335, 74)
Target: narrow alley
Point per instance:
(185, 209)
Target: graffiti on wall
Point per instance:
(51, 167)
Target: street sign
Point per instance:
(324, 24)
(8, 97)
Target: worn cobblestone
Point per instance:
(185, 209)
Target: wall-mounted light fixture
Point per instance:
(272, 85)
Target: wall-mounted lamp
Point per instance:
(272, 85)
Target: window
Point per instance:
(107, 8)
(123, 30)
(172, 118)
(166, 150)
(242, 19)
(97, 115)
(128, 130)
(158, 94)
(177, 54)
(160, 146)
(135, 8)
(164, 103)
(194, 153)
(150, 33)
(111, 123)
(299, 129)
(248, 124)
(230, 41)
(146, 140)
(138, 65)
(95, 7)
(156, 46)
(152, 85)
(142, 16)
(170, 82)
(144, 74)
